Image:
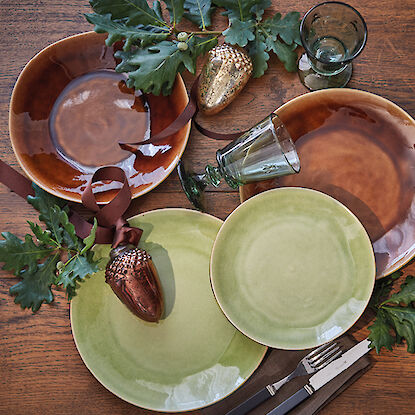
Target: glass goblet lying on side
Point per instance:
(264, 152)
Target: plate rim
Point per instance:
(260, 360)
(347, 91)
(186, 128)
(242, 206)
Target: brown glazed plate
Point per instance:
(360, 149)
(68, 111)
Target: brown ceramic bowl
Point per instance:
(358, 148)
(69, 109)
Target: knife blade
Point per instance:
(322, 377)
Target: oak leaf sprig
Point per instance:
(155, 49)
(395, 319)
(54, 256)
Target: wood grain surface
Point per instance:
(40, 369)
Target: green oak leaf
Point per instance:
(68, 231)
(42, 201)
(34, 289)
(118, 30)
(279, 38)
(287, 28)
(257, 52)
(407, 293)
(43, 236)
(382, 289)
(77, 268)
(259, 7)
(52, 219)
(134, 12)
(17, 254)
(176, 10)
(403, 320)
(240, 9)
(157, 9)
(240, 32)
(199, 12)
(90, 239)
(380, 333)
(153, 69)
(286, 54)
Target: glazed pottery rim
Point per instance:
(70, 198)
(351, 91)
(356, 219)
(260, 360)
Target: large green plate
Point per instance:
(292, 268)
(193, 357)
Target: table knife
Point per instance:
(322, 377)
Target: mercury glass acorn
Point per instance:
(225, 73)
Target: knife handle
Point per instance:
(291, 402)
(251, 402)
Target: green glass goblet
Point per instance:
(264, 152)
(332, 34)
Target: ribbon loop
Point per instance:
(110, 216)
(107, 214)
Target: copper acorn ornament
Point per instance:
(134, 279)
(225, 73)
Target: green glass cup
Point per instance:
(264, 152)
(333, 34)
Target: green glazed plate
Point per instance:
(193, 357)
(292, 268)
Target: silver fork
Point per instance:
(314, 361)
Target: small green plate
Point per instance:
(292, 268)
(193, 357)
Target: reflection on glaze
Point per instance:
(400, 240)
(93, 113)
(151, 150)
(334, 326)
(198, 389)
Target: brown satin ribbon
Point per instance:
(112, 227)
(111, 214)
(15, 181)
(189, 113)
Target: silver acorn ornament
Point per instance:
(134, 279)
(225, 73)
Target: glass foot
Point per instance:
(193, 185)
(314, 81)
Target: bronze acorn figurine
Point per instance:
(134, 279)
(223, 76)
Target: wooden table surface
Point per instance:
(40, 369)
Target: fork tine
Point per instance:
(319, 349)
(338, 354)
(322, 349)
(315, 363)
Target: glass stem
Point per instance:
(212, 175)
